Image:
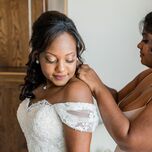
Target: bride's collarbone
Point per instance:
(52, 96)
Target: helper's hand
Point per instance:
(90, 77)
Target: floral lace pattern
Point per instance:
(41, 123)
(79, 116)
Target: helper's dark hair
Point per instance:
(45, 29)
(146, 23)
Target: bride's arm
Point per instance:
(77, 141)
(77, 130)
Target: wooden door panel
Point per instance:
(14, 35)
(11, 136)
(14, 50)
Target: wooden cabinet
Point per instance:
(11, 136)
(16, 18)
(14, 33)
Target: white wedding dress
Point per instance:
(41, 123)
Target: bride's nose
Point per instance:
(60, 67)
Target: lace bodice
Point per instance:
(42, 123)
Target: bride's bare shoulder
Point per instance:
(77, 91)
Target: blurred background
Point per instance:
(110, 30)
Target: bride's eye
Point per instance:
(70, 61)
(51, 60)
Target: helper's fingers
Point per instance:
(84, 66)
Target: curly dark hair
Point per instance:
(146, 23)
(45, 29)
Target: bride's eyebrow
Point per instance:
(50, 53)
(71, 53)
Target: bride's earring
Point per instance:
(37, 61)
(44, 87)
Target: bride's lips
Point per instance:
(59, 77)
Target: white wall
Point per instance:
(110, 31)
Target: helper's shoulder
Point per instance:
(144, 74)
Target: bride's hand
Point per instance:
(89, 76)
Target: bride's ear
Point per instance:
(35, 57)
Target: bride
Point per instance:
(57, 113)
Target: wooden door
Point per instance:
(14, 33)
(11, 136)
(16, 19)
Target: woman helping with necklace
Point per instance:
(127, 114)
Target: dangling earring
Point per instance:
(37, 61)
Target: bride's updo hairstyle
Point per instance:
(45, 29)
